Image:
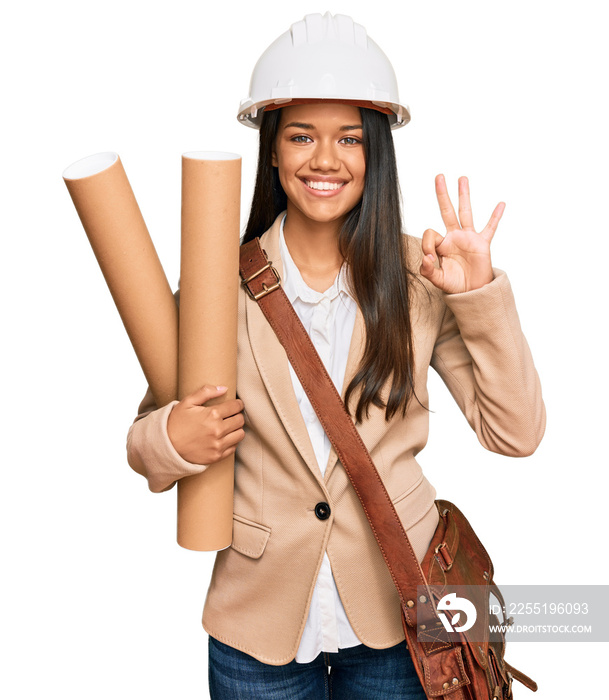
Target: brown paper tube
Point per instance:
(209, 285)
(116, 230)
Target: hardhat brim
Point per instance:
(251, 114)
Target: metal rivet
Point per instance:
(423, 627)
(455, 681)
(485, 575)
(410, 603)
(445, 685)
(423, 599)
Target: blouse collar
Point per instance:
(296, 288)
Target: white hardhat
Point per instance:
(323, 57)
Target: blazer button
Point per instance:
(322, 511)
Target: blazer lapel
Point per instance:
(273, 363)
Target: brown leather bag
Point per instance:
(463, 666)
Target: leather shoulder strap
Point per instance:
(262, 283)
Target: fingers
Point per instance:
(431, 240)
(207, 393)
(224, 410)
(489, 230)
(446, 208)
(233, 439)
(204, 394)
(465, 208)
(231, 425)
(434, 274)
(466, 219)
(228, 435)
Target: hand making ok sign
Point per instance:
(463, 255)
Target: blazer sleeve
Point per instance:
(485, 361)
(150, 451)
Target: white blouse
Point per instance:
(328, 318)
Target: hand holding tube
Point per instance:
(206, 434)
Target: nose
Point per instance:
(325, 157)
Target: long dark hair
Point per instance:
(372, 244)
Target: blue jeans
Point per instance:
(359, 673)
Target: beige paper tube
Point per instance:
(116, 230)
(209, 285)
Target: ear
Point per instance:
(274, 162)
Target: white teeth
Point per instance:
(318, 185)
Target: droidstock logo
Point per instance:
(453, 602)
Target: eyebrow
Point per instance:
(302, 125)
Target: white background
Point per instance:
(98, 599)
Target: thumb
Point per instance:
(204, 394)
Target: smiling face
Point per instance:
(320, 160)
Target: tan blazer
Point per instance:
(261, 586)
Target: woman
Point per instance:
(301, 605)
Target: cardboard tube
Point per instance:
(209, 287)
(116, 230)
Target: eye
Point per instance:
(301, 138)
(350, 140)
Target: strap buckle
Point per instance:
(265, 288)
(444, 559)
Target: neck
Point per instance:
(313, 246)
